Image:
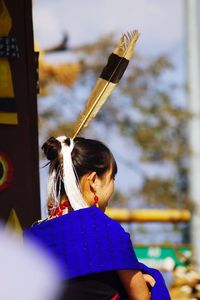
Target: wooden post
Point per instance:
(192, 12)
(19, 197)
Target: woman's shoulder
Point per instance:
(106, 225)
(89, 220)
(95, 212)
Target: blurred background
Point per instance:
(145, 121)
(151, 121)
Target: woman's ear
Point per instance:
(93, 181)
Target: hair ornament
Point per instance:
(69, 178)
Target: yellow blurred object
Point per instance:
(5, 19)
(186, 283)
(65, 74)
(13, 223)
(6, 86)
(177, 294)
(148, 215)
(8, 118)
(6, 83)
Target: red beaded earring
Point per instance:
(96, 199)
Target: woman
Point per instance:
(94, 252)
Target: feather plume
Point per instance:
(109, 78)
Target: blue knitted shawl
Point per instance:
(87, 241)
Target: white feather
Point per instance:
(69, 178)
(51, 189)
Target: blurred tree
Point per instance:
(51, 74)
(144, 109)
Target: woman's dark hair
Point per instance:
(92, 155)
(51, 148)
(87, 156)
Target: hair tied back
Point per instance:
(51, 148)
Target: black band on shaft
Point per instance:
(115, 68)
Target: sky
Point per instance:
(160, 23)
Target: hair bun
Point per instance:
(51, 148)
(68, 141)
